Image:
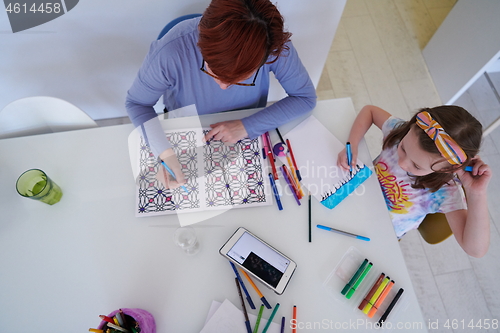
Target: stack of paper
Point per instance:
(227, 318)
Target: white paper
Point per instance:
(227, 318)
(315, 150)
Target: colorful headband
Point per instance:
(448, 148)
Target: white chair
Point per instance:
(40, 115)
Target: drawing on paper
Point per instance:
(217, 176)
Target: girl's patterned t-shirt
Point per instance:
(409, 206)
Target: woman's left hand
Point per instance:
(475, 181)
(230, 131)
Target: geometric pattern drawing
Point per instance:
(234, 174)
(217, 176)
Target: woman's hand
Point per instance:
(475, 181)
(230, 131)
(164, 177)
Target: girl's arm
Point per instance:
(368, 115)
(471, 227)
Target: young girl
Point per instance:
(421, 170)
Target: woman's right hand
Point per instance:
(164, 177)
(342, 158)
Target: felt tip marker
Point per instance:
(354, 277)
(345, 233)
(375, 296)
(358, 281)
(381, 299)
(349, 156)
(390, 307)
(371, 292)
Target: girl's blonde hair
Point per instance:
(466, 130)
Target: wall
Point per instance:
(90, 55)
(466, 44)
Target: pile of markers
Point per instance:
(290, 173)
(119, 323)
(373, 300)
(239, 282)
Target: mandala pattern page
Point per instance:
(218, 176)
(153, 197)
(234, 174)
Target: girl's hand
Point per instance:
(227, 131)
(342, 158)
(477, 180)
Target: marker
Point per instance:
(345, 233)
(283, 170)
(95, 330)
(358, 281)
(262, 298)
(173, 176)
(269, 321)
(249, 299)
(269, 154)
(390, 307)
(292, 182)
(371, 292)
(349, 156)
(279, 134)
(293, 176)
(257, 323)
(282, 325)
(381, 299)
(247, 321)
(293, 159)
(354, 277)
(294, 319)
(375, 296)
(275, 191)
(309, 201)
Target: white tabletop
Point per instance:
(63, 265)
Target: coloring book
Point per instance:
(218, 176)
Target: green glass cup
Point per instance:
(36, 185)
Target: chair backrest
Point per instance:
(435, 228)
(40, 115)
(172, 23)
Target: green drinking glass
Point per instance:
(36, 185)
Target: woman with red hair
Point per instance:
(221, 61)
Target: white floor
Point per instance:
(376, 59)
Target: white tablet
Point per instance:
(260, 259)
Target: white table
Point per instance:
(63, 265)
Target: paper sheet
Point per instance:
(316, 150)
(227, 318)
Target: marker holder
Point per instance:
(145, 319)
(342, 274)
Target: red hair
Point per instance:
(238, 36)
